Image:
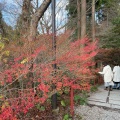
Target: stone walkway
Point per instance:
(96, 113)
(101, 98)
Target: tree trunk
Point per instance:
(36, 17)
(83, 18)
(93, 25)
(93, 20)
(2, 30)
(26, 12)
(78, 15)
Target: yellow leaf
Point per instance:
(7, 52)
(1, 45)
(24, 61)
(6, 104)
(3, 106)
(1, 96)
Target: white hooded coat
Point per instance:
(116, 71)
(108, 74)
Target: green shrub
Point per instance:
(81, 98)
(67, 117)
(39, 107)
(94, 88)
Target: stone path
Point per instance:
(101, 98)
(96, 113)
(101, 106)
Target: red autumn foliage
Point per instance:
(7, 113)
(43, 87)
(73, 70)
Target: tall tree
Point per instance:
(72, 14)
(77, 12)
(36, 17)
(78, 21)
(1, 24)
(26, 16)
(83, 18)
(93, 20)
(109, 37)
(30, 16)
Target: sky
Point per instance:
(12, 9)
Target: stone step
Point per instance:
(111, 104)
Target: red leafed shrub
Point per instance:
(7, 113)
(28, 79)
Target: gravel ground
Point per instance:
(96, 113)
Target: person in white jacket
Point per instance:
(108, 76)
(116, 76)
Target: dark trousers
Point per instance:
(116, 85)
